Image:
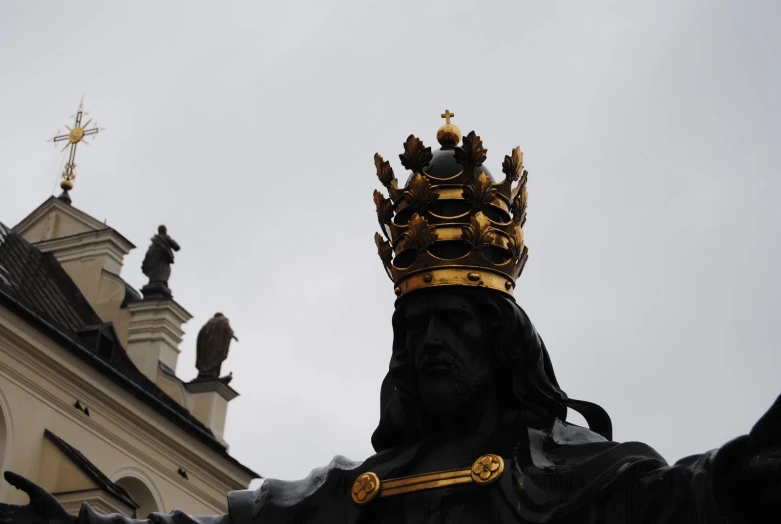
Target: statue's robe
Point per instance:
(158, 259)
(567, 474)
(212, 346)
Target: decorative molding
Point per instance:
(211, 385)
(147, 318)
(87, 246)
(99, 500)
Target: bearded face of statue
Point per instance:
(445, 339)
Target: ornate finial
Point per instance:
(65, 197)
(448, 135)
(75, 135)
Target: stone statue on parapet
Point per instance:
(212, 346)
(157, 264)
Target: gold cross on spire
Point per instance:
(447, 115)
(75, 135)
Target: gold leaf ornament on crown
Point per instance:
(451, 224)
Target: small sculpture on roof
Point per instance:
(157, 264)
(212, 346)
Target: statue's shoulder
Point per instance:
(570, 445)
(324, 492)
(568, 433)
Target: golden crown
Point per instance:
(452, 224)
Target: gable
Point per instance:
(56, 219)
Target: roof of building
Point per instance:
(36, 287)
(91, 470)
(37, 280)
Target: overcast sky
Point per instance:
(651, 133)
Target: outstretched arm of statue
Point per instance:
(747, 470)
(736, 484)
(44, 508)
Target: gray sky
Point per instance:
(650, 131)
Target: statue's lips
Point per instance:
(440, 364)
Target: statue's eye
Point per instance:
(416, 324)
(454, 320)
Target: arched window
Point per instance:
(141, 489)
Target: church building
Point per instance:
(91, 408)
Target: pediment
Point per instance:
(60, 473)
(64, 469)
(55, 219)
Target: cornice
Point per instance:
(105, 235)
(212, 386)
(87, 245)
(96, 498)
(152, 309)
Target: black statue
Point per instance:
(212, 346)
(470, 377)
(157, 264)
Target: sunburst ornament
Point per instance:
(75, 135)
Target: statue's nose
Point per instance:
(432, 339)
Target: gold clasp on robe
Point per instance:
(485, 470)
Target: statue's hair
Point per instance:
(526, 384)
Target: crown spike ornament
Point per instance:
(451, 224)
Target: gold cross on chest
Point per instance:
(447, 115)
(75, 135)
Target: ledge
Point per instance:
(211, 385)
